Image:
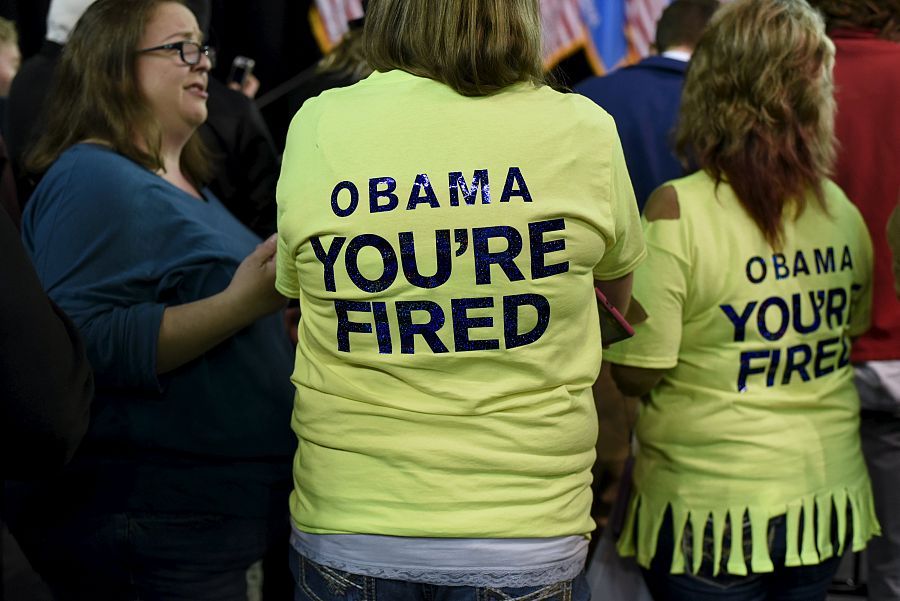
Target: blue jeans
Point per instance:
(802, 583)
(316, 582)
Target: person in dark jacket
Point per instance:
(45, 379)
(644, 98)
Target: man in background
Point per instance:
(644, 98)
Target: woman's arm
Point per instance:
(661, 288)
(636, 381)
(617, 291)
(189, 330)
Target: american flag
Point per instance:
(641, 18)
(612, 31)
(330, 19)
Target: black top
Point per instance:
(45, 380)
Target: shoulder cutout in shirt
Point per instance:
(662, 204)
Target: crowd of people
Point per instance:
(423, 422)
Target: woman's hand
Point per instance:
(187, 331)
(252, 288)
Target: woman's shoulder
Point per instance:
(571, 106)
(836, 198)
(685, 194)
(91, 179)
(93, 166)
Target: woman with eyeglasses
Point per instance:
(181, 481)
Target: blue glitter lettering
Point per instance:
(345, 326)
(762, 263)
(354, 199)
(462, 323)
(846, 259)
(779, 264)
(739, 321)
(382, 328)
(422, 184)
(823, 354)
(388, 258)
(800, 265)
(799, 326)
(461, 237)
(428, 330)
(479, 181)
(514, 177)
(484, 258)
(824, 263)
(388, 193)
(511, 336)
(837, 303)
(844, 359)
(539, 248)
(328, 259)
(747, 369)
(773, 301)
(791, 365)
(410, 264)
(773, 367)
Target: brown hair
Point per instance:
(757, 108)
(477, 47)
(880, 15)
(682, 23)
(96, 94)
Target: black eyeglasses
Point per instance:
(189, 52)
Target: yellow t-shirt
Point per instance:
(757, 412)
(443, 249)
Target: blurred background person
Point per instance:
(10, 58)
(446, 448)
(31, 86)
(867, 90)
(46, 388)
(181, 483)
(749, 478)
(644, 98)
(343, 66)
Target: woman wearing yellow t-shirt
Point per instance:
(443, 223)
(749, 481)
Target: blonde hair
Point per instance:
(757, 108)
(8, 33)
(477, 47)
(347, 58)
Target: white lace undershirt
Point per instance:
(517, 562)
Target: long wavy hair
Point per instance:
(477, 47)
(757, 108)
(882, 16)
(96, 93)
